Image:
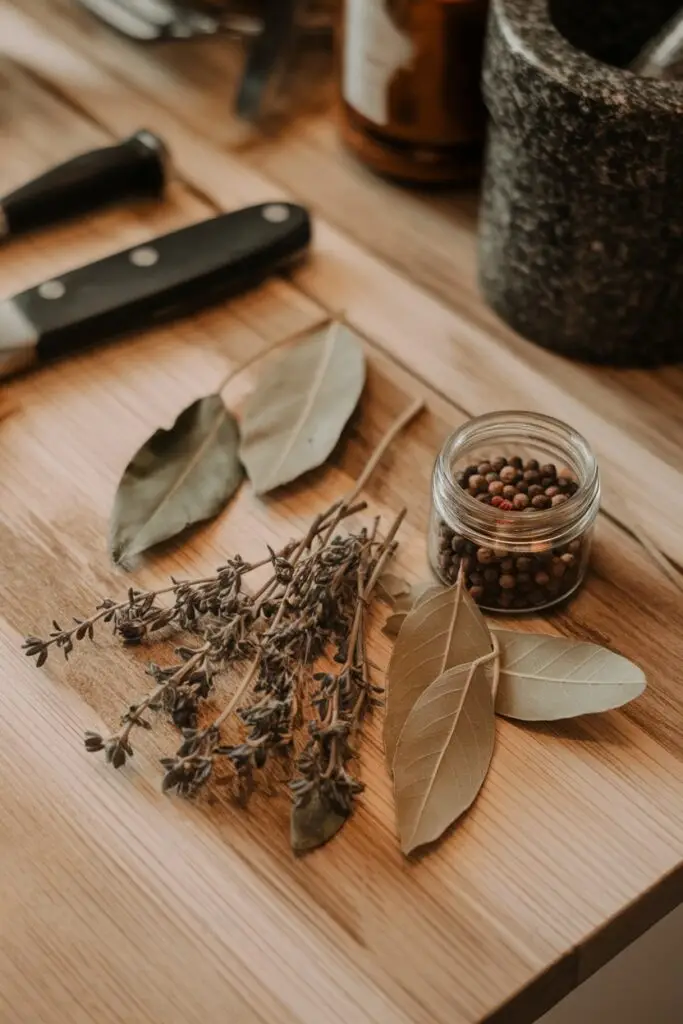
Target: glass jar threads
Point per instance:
(514, 501)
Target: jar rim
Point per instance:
(481, 521)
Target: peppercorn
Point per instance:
(493, 576)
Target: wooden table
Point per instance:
(120, 904)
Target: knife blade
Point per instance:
(165, 278)
(134, 168)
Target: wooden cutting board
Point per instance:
(120, 904)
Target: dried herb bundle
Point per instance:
(299, 639)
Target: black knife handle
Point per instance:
(167, 277)
(133, 168)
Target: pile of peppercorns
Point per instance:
(494, 577)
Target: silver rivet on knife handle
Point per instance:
(18, 340)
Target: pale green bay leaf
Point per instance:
(443, 754)
(295, 416)
(178, 477)
(314, 823)
(545, 678)
(445, 629)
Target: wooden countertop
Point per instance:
(120, 904)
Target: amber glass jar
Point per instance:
(410, 86)
(514, 560)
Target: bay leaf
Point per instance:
(314, 823)
(545, 678)
(295, 415)
(443, 754)
(444, 630)
(392, 626)
(390, 586)
(178, 477)
(419, 593)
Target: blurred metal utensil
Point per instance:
(269, 28)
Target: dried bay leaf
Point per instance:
(443, 754)
(419, 593)
(313, 823)
(390, 586)
(545, 678)
(392, 626)
(295, 416)
(178, 477)
(444, 630)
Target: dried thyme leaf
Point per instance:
(545, 678)
(314, 823)
(295, 416)
(179, 477)
(445, 630)
(443, 754)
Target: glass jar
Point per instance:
(521, 551)
(410, 71)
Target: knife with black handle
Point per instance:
(135, 168)
(162, 279)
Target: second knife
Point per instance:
(164, 278)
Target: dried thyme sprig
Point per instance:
(314, 602)
(139, 614)
(341, 701)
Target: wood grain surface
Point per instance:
(119, 904)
